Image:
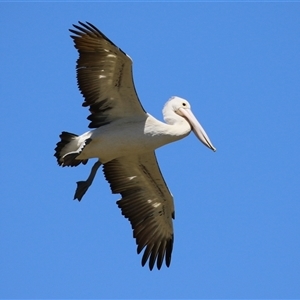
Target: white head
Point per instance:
(182, 109)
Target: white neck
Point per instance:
(174, 129)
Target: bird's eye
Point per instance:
(183, 104)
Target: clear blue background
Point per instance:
(237, 210)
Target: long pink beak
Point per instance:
(197, 128)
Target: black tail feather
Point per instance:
(69, 159)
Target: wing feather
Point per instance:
(146, 202)
(104, 77)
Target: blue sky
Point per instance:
(237, 221)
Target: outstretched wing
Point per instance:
(146, 202)
(104, 77)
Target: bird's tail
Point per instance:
(67, 149)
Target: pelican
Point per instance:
(123, 139)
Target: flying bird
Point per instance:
(123, 139)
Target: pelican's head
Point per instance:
(183, 109)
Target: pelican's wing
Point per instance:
(146, 202)
(104, 77)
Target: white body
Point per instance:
(127, 137)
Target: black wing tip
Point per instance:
(156, 255)
(86, 25)
(84, 28)
(89, 28)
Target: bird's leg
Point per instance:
(82, 186)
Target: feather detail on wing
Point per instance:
(146, 202)
(104, 77)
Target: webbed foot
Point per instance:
(83, 186)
